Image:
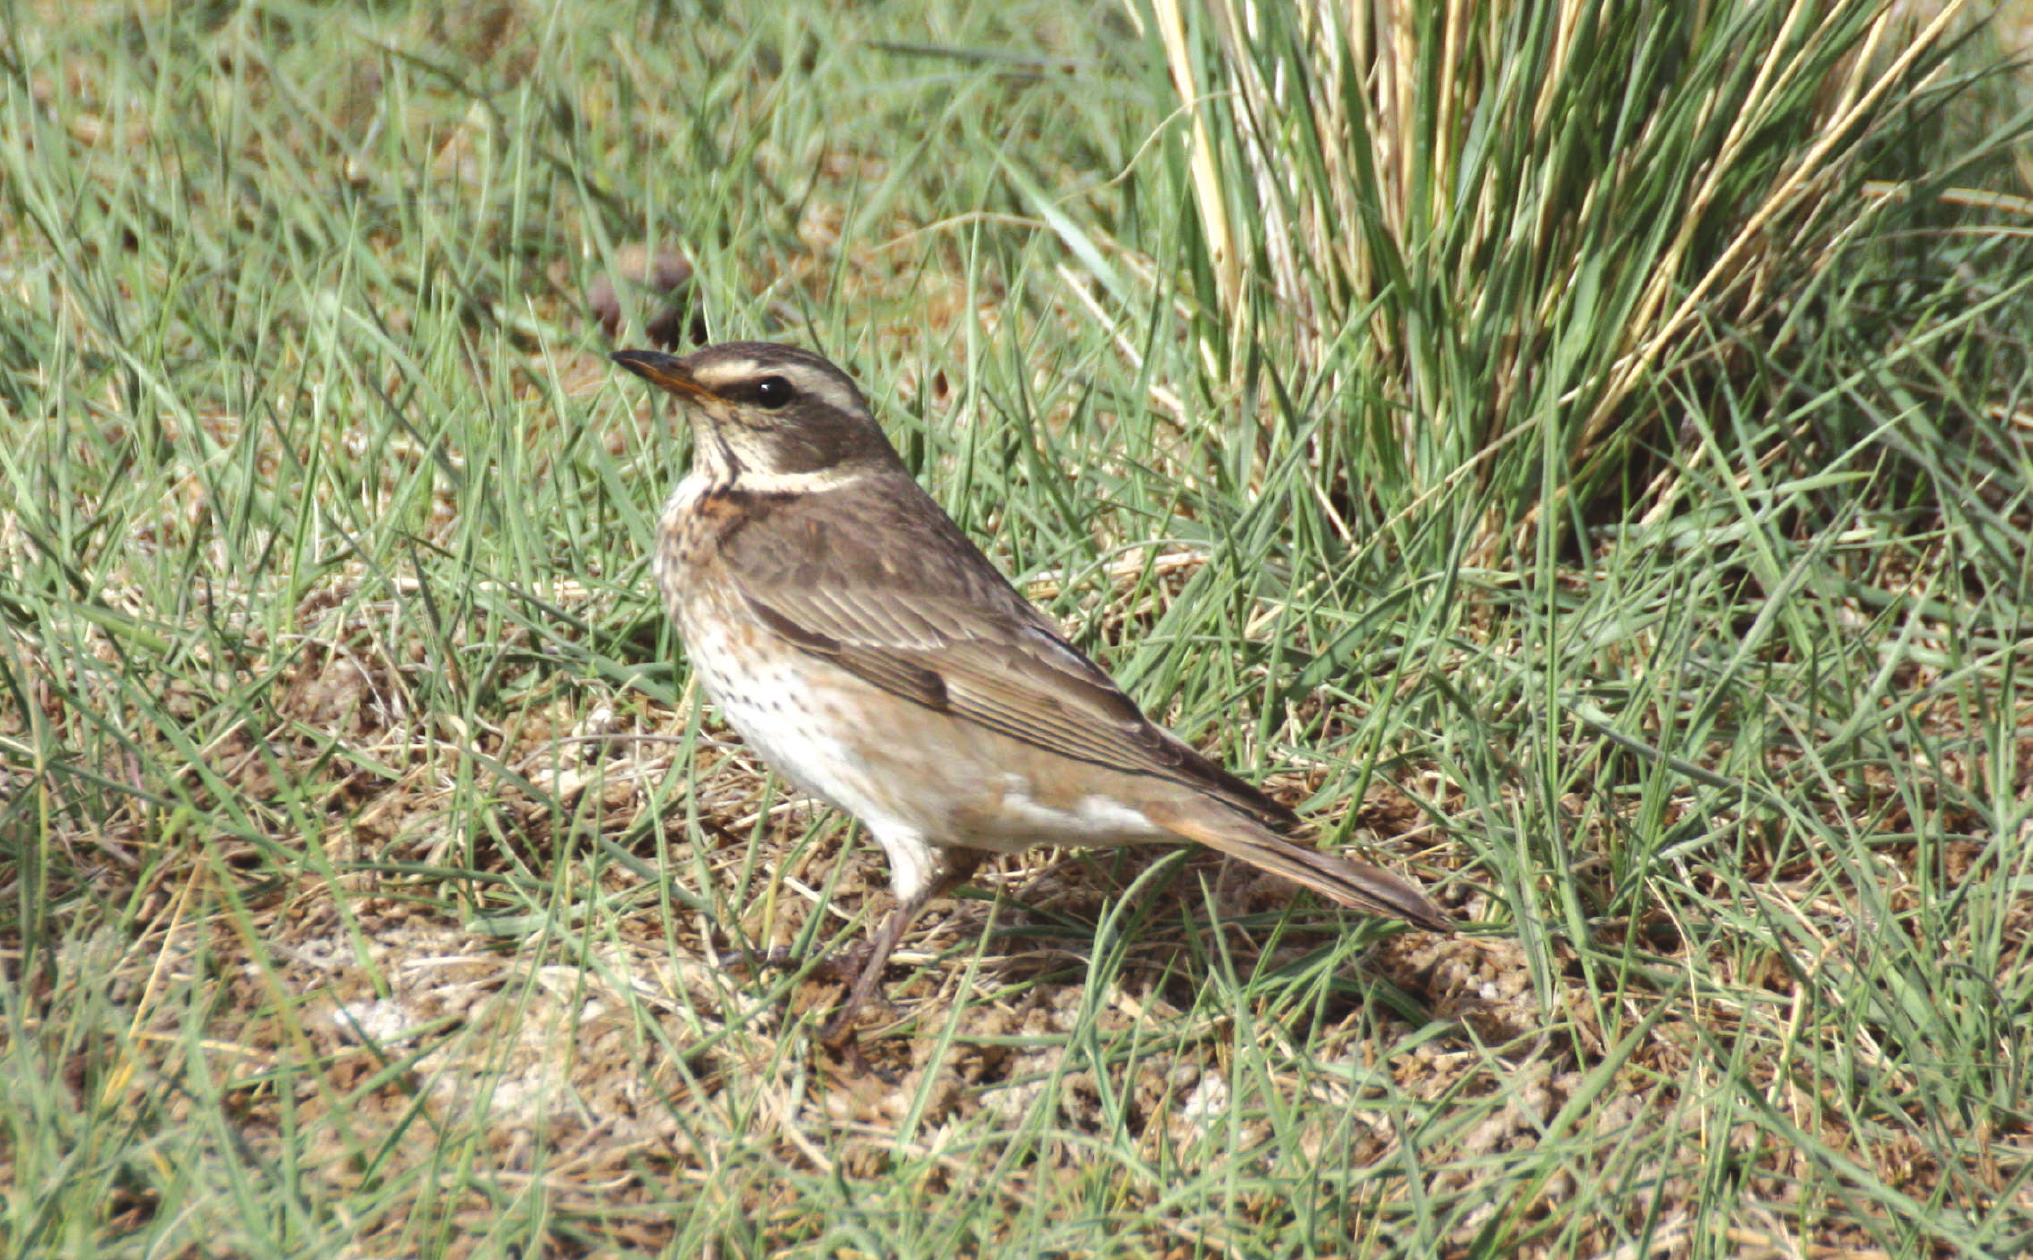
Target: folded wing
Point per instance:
(940, 627)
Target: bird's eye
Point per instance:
(773, 392)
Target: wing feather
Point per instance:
(935, 624)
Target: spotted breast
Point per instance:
(801, 716)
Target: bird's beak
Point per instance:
(663, 370)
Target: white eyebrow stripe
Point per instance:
(832, 391)
(725, 372)
(812, 381)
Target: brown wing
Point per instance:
(888, 588)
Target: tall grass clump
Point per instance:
(1486, 234)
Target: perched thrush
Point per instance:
(875, 658)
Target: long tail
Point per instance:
(1351, 884)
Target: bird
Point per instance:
(875, 658)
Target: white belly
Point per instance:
(790, 724)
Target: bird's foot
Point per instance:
(851, 967)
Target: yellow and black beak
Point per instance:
(664, 370)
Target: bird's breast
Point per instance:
(790, 708)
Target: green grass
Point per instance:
(365, 853)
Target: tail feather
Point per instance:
(1351, 884)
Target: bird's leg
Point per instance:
(952, 868)
(841, 1028)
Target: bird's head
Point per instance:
(761, 410)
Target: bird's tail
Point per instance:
(1351, 884)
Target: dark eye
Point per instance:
(772, 393)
